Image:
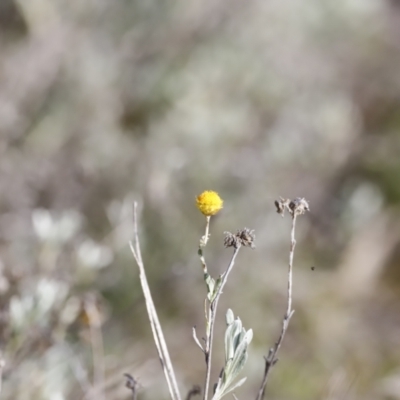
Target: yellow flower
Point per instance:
(209, 203)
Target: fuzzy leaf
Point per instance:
(235, 386)
(229, 316)
(236, 343)
(239, 359)
(210, 283)
(231, 338)
(216, 287)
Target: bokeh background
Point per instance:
(106, 102)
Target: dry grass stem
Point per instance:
(154, 322)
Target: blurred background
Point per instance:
(106, 102)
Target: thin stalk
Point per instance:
(206, 234)
(211, 322)
(131, 383)
(153, 318)
(203, 243)
(271, 360)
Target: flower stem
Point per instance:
(212, 311)
(203, 243)
(271, 360)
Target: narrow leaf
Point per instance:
(235, 386)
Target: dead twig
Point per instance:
(296, 207)
(154, 321)
(132, 384)
(194, 391)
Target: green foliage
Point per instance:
(212, 286)
(237, 340)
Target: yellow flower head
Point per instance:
(209, 203)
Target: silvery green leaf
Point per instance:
(234, 369)
(228, 367)
(248, 337)
(235, 366)
(236, 343)
(240, 332)
(237, 328)
(229, 316)
(231, 338)
(210, 283)
(235, 386)
(239, 357)
(220, 393)
(216, 287)
(217, 395)
(218, 385)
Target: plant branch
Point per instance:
(154, 322)
(211, 322)
(203, 243)
(295, 207)
(194, 391)
(131, 384)
(271, 360)
(195, 338)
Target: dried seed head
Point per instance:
(230, 240)
(247, 237)
(281, 204)
(297, 206)
(243, 237)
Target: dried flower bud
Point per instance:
(247, 237)
(297, 206)
(281, 204)
(230, 240)
(243, 237)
